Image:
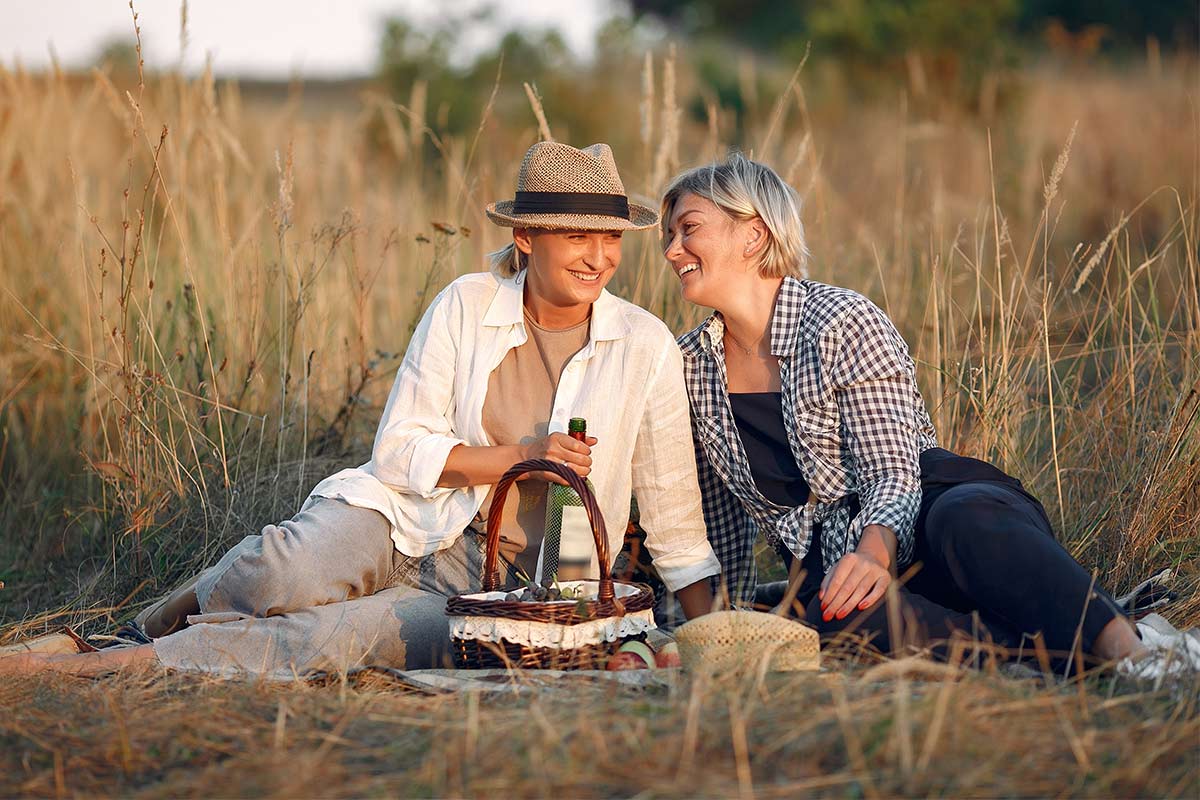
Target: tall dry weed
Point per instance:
(205, 295)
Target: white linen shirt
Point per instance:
(627, 381)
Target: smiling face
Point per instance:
(567, 271)
(708, 250)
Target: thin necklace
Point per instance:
(747, 350)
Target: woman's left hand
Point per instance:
(857, 581)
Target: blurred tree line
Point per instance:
(952, 52)
(877, 29)
(423, 68)
(952, 48)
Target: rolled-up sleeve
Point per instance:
(664, 478)
(415, 434)
(873, 378)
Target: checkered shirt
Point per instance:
(855, 422)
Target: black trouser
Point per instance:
(988, 566)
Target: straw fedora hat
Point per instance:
(564, 188)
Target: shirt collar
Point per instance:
(507, 309)
(711, 333)
(785, 321)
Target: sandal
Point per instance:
(1150, 595)
(127, 635)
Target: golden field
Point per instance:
(204, 292)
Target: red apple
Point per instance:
(668, 656)
(632, 655)
(621, 661)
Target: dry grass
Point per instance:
(834, 734)
(203, 300)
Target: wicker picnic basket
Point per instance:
(487, 631)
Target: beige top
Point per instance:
(517, 410)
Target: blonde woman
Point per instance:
(810, 428)
(497, 366)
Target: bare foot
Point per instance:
(1117, 640)
(101, 662)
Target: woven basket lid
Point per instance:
(736, 640)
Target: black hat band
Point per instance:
(590, 203)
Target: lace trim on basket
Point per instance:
(551, 634)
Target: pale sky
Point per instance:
(262, 38)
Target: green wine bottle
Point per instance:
(568, 546)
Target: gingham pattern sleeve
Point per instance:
(874, 382)
(731, 531)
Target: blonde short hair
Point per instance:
(745, 189)
(508, 260)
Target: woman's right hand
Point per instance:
(565, 450)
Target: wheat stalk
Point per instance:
(667, 157)
(535, 103)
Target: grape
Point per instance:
(548, 593)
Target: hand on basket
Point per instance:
(561, 448)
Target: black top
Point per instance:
(759, 419)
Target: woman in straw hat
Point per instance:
(497, 366)
(809, 427)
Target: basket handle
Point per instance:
(491, 571)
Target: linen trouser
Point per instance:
(988, 567)
(326, 590)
